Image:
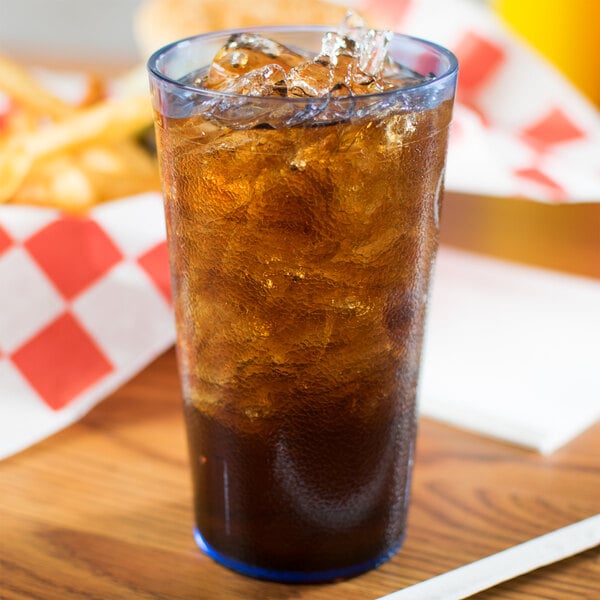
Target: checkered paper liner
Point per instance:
(84, 305)
(520, 129)
(84, 302)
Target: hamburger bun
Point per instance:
(159, 22)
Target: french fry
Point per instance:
(53, 153)
(106, 121)
(17, 83)
(77, 180)
(57, 182)
(95, 92)
(16, 121)
(119, 170)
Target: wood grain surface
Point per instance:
(102, 510)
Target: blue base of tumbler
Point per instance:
(291, 576)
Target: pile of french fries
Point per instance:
(71, 157)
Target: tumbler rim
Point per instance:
(445, 78)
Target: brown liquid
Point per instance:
(320, 491)
(301, 260)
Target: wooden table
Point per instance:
(102, 510)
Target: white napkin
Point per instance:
(512, 352)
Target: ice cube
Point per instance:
(310, 79)
(246, 52)
(352, 26)
(332, 45)
(269, 80)
(353, 61)
(372, 56)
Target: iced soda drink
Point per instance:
(302, 173)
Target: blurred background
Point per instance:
(95, 34)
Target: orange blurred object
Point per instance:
(561, 237)
(567, 32)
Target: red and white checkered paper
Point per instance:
(84, 302)
(84, 305)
